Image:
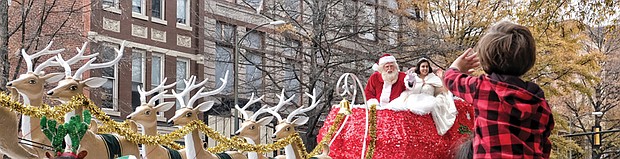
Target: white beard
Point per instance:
(389, 78)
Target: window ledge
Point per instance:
(184, 27)
(160, 21)
(139, 16)
(112, 9)
(111, 112)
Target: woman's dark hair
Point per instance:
(465, 150)
(417, 66)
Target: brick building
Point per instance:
(177, 39)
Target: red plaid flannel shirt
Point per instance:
(510, 122)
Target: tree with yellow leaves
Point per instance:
(565, 65)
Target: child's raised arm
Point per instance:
(457, 79)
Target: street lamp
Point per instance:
(236, 66)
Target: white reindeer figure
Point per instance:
(287, 127)
(250, 128)
(30, 86)
(146, 116)
(188, 113)
(98, 146)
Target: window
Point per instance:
(137, 76)
(292, 8)
(225, 37)
(290, 77)
(254, 3)
(157, 67)
(182, 73)
(367, 22)
(253, 76)
(111, 6)
(291, 48)
(349, 14)
(157, 74)
(183, 11)
(223, 63)
(394, 27)
(225, 32)
(157, 9)
(252, 59)
(253, 40)
(108, 92)
(137, 6)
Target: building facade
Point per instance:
(175, 39)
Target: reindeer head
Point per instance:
(31, 83)
(250, 127)
(188, 112)
(73, 84)
(146, 113)
(287, 127)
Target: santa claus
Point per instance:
(386, 83)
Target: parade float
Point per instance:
(80, 135)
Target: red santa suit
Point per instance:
(379, 92)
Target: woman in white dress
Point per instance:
(425, 95)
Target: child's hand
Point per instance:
(466, 62)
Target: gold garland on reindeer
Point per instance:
(123, 128)
(57, 113)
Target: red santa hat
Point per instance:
(384, 59)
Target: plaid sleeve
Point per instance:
(461, 85)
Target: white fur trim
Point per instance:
(386, 59)
(375, 67)
(372, 101)
(384, 99)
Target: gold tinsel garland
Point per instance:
(168, 139)
(123, 129)
(57, 113)
(373, 131)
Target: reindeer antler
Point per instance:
(160, 87)
(79, 56)
(301, 109)
(47, 63)
(78, 73)
(201, 94)
(45, 51)
(250, 102)
(275, 114)
(189, 86)
(260, 111)
(282, 102)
